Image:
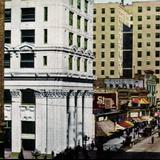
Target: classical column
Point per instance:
(41, 103)
(16, 120)
(88, 116)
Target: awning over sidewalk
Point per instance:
(146, 118)
(140, 100)
(126, 124)
(105, 128)
(137, 119)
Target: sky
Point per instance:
(125, 1)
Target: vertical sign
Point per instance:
(1, 79)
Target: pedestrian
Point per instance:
(152, 139)
(92, 145)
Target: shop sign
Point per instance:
(104, 101)
(134, 114)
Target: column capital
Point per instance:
(16, 93)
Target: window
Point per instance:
(157, 63)
(45, 60)
(139, 9)
(85, 6)
(94, 45)
(7, 15)
(112, 36)
(148, 8)
(139, 63)
(111, 72)
(148, 44)
(102, 55)
(28, 14)
(111, 63)
(27, 36)
(103, 28)
(157, 17)
(157, 44)
(139, 44)
(7, 36)
(85, 43)
(79, 4)
(148, 35)
(139, 71)
(103, 36)
(148, 17)
(112, 19)
(94, 20)
(139, 27)
(78, 22)
(139, 18)
(157, 80)
(94, 36)
(28, 127)
(94, 64)
(148, 53)
(157, 54)
(112, 28)
(157, 71)
(94, 72)
(112, 10)
(103, 45)
(28, 96)
(139, 54)
(139, 35)
(27, 60)
(148, 63)
(70, 38)
(157, 26)
(85, 65)
(45, 13)
(7, 60)
(7, 96)
(102, 72)
(94, 28)
(103, 10)
(94, 11)
(157, 35)
(85, 25)
(70, 62)
(78, 63)
(45, 35)
(102, 64)
(112, 54)
(71, 18)
(157, 9)
(148, 26)
(111, 45)
(103, 19)
(78, 41)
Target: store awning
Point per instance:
(126, 124)
(135, 100)
(136, 119)
(144, 101)
(146, 118)
(105, 128)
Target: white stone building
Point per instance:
(48, 74)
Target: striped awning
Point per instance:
(143, 101)
(126, 124)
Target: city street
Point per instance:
(142, 150)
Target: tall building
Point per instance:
(111, 34)
(1, 79)
(146, 38)
(48, 74)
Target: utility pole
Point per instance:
(1, 79)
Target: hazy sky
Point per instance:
(125, 1)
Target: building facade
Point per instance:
(48, 74)
(146, 36)
(111, 24)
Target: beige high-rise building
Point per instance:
(146, 38)
(109, 22)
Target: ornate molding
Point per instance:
(15, 93)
